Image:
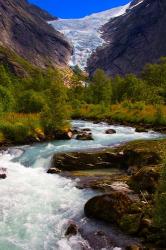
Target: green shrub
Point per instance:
(30, 102)
(17, 133)
(6, 99)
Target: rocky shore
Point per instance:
(127, 178)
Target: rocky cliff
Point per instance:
(24, 30)
(133, 39)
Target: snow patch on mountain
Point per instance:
(85, 34)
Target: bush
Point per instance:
(6, 100)
(31, 102)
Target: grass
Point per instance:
(135, 113)
(19, 128)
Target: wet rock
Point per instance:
(146, 179)
(141, 130)
(130, 159)
(111, 207)
(84, 161)
(3, 174)
(85, 136)
(75, 131)
(54, 171)
(110, 131)
(86, 130)
(71, 230)
(67, 135)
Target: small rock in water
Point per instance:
(84, 136)
(64, 135)
(53, 171)
(86, 130)
(141, 130)
(110, 131)
(71, 230)
(3, 173)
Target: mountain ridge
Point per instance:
(24, 30)
(133, 39)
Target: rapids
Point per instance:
(35, 207)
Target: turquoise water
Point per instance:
(35, 208)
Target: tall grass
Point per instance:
(18, 128)
(137, 112)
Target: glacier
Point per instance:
(85, 33)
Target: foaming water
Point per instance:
(36, 207)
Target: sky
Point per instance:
(77, 8)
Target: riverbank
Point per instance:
(20, 129)
(127, 173)
(142, 117)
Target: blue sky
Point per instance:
(77, 8)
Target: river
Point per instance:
(36, 207)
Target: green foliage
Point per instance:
(130, 98)
(55, 113)
(101, 88)
(31, 101)
(4, 77)
(6, 100)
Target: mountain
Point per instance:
(25, 31)
(35, 10)
(133, 39)
(84, 33)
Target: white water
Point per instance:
(36, 207)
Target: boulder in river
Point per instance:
(3, 174)
(118, 208)
(71, 230)
(64, 135)
(111, 207)
(85, 136)
(86, 130)
(110, 131)
(54, 171)
(85, 161)
(141, 130)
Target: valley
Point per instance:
(83, 128)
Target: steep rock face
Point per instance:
(133, 39)
(24, 30)
(35, 10)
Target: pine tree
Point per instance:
(101, 88)
(55, 114)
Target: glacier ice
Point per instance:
(85, 34)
